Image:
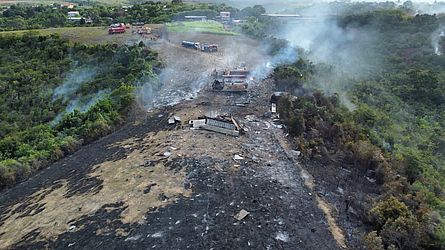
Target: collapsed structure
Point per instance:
(222, 124)
(235, 80)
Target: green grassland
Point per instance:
(211, 27)
(91, 35)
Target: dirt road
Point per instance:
(153, 185)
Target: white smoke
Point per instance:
(73, 81)
(82, 104)
(188, 71)
(325, 42)
(430, 8)
(263, 69)
(435, 40)
(71, 84)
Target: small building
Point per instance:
(225, 15)
(67, 5)
(88, 20)
(74, 16)
(196, 18)
(238, 22)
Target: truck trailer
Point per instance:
(190, 45)
(209, 48)
(198, 46)
(116, 28)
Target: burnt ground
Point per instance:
(283, 214)
(151, 185)
(349, 191)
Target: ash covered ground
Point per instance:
(157, 186)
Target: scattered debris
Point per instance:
(340, 190)
(133, 238)
(241, 214)
(276, 96)
(238, 157)
(223, 125)
(295, 153)
(155, 235)
(273, 108)
(370, 176)
(282, 236)
(370, 179)
(148, 188)
(251, 118)
(173, 120)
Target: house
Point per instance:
(196, 18)
(67, 5)
(74, 16)
(225, 16)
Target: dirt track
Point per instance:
(151, 185)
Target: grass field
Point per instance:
(210, 27)
(93, 35)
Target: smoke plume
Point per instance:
(325, 42)
(73, 81)
(68, 91)
(82, 104)
(435, 40)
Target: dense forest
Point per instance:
(56, 95)
(396, 128)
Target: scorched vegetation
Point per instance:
(394, 134)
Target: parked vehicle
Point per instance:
(209, 47)
(190, 45)
(116, 28)
(202, 47)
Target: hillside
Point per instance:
(313, 132)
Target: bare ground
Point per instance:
(150, 185)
